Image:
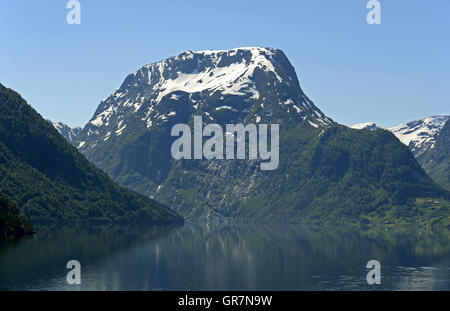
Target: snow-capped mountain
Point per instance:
(248, 83)
(436, 161)
(366, 126)
(66, 131)
(129, 137)
(427, 139)
(420, 135)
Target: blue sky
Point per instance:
(354, 72)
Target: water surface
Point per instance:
(238, 257)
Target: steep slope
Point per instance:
(51, 182)
(326, 170)
(336, 175)
(66, 131)
(129, 135)
(12, 223)
(436, 161)
(420, 135)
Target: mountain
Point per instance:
(51, 182)
(12, 223)
(199, 82)
(327, 172)
(66, 131)
(366, 126)
(436, 161)
(420, 135)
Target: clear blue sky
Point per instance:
(354, 72)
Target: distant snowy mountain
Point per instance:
(436, 161)
(427, 139)
(420, 135)
(66, 131)
(366, 126)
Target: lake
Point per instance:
(224, 257)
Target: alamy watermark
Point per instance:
(374, 15)
(374, 275)
(74, 15)
(74, 275)
(234, 134)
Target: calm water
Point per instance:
(240, 257)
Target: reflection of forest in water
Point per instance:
(288, 256)
(237, 257)
(47, 252)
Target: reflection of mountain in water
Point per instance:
(291, 257)
(238, 257)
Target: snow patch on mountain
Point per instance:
(366, 126)
(66, 131)
(233, 79)
(420, 135)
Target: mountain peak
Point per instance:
(420, 135)
(230, 71)
(238, 85)
(235, 50)
(66, 131)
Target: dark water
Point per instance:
(240, 257)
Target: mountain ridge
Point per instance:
(421, 136)
(51, 182)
